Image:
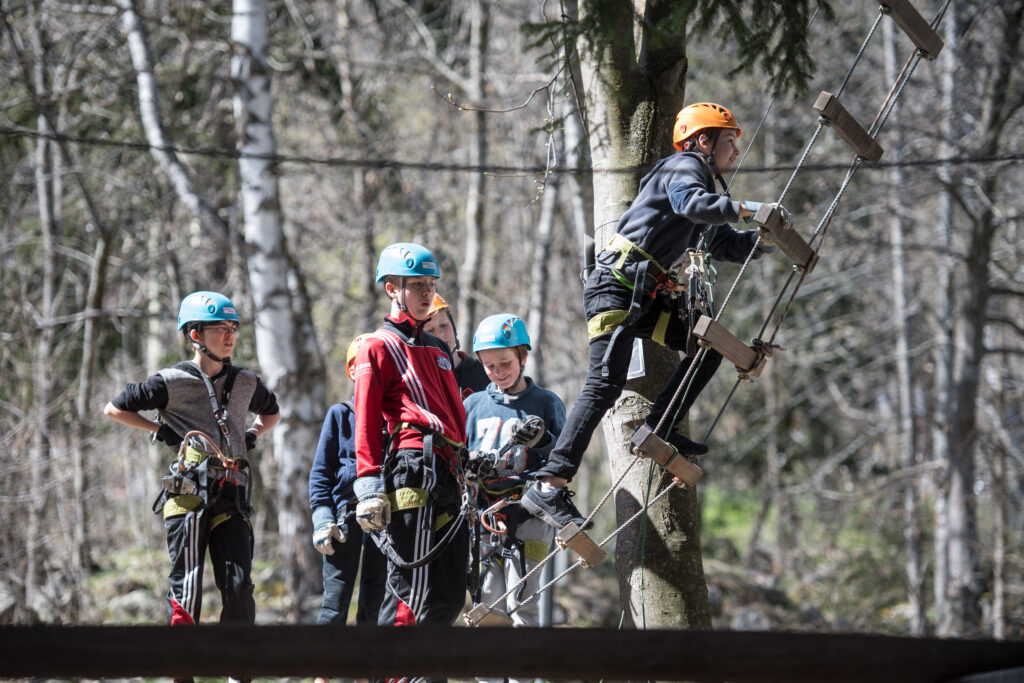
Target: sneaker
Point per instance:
(683, 444)
(553, 507)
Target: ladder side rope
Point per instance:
(860, 52)
(822, 228)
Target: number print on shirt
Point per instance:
(488, 428)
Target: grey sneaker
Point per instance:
(553, 507)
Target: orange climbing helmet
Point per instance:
(438, 305)
(350, 357)
(694, 118)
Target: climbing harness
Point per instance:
(453, 453)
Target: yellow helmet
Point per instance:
(350, 356)
(694, 118)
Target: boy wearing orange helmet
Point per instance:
(634, 289)
(332, 500)
(469, 373)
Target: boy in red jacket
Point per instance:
(405, 376)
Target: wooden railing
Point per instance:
(97, 652)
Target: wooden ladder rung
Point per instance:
(648, 444)
(832, 110)
(573, 537)
(480, 615)
(914, 25)
(789, 240)
(744, 357)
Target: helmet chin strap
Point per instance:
(201, 348)
(710, 158)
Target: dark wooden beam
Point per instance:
(915, 26)
(96, 652)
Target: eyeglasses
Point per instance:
(222, 328)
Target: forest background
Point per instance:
(870, 480)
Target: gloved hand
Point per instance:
(482, 462)
(373, 512)
(750, 206)
(250, 440)
(529, 432)
(325, 530)
(168, 435)
(787, 219)
(766, 237)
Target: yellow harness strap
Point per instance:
(626, 248)
(605, 322)
(399, 426)
(407, 498)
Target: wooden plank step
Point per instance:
(835, 114)
(480, 615)
(650, 445)
(744, 357)
(789, 240)
(573, 537)
(914, 25)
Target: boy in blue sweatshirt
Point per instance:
(507, 442)
(625, 296)
(332, 501)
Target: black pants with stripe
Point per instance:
(436, 592)
(228, 536)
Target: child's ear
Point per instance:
(389, 289)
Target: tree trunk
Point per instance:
(476, 210)
(285, 341)
(898, 226)
(539, 273)
(41, 453)
(945, 319)
(633, 94)
(160, 145)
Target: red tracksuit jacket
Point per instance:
(402, 376)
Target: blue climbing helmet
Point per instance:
(204, 307)
(407, 260)
(501, 331)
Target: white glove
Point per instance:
(325, 530)
(323, 538)
(374, 512)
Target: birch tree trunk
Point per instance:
(160, 145)
(633, 92)
(898, 226)
(476, 209)
(285, 341)
(943, 325)
(41, 453)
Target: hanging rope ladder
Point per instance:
(750, 360)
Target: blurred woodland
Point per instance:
(871, 480)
